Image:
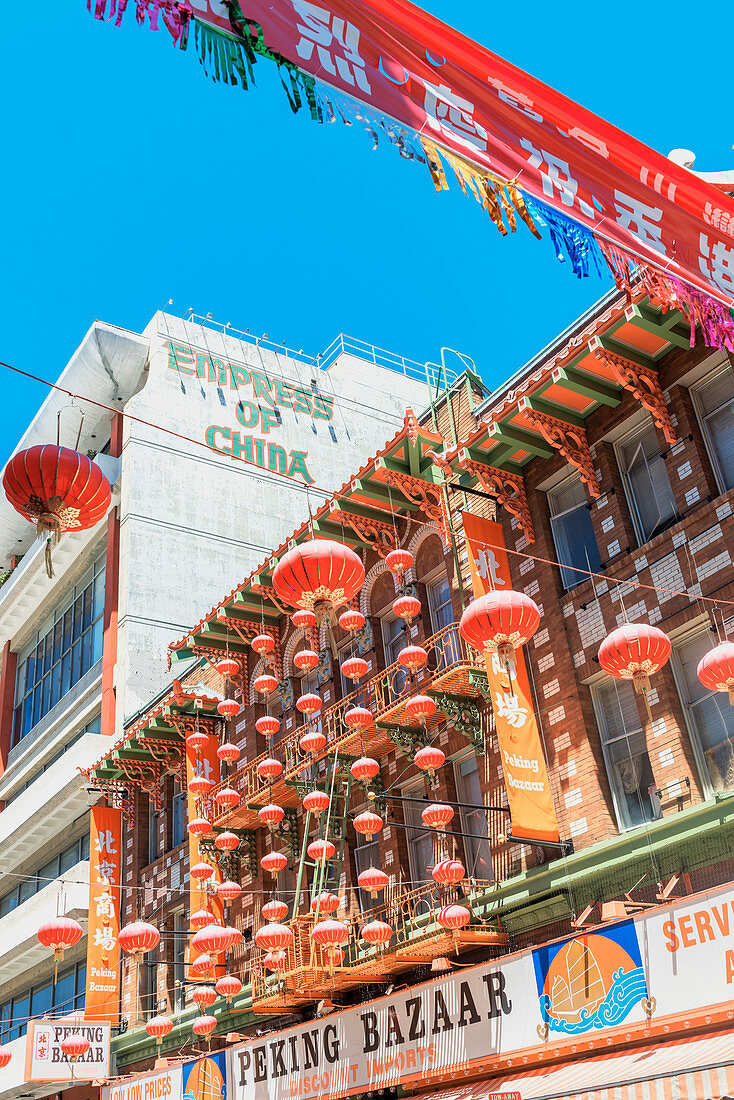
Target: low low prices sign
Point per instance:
(46, 1061)
(166, 1085)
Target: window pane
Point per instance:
(69, 857)
(625, 752)
(8, 903)
(27, 889)
(64, 991)
(20, 1015)
(439, 599)
(720, 431)
(420, 842)
(395, 639)
(84, 854)
(648, 484)
(366, 854)
(573, 533)
(710, 714)
(48, 872)
(42, 999)
(474, 822)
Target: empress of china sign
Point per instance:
(261, 401)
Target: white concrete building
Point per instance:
(193, 426)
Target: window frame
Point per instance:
(695, 392)
(606, 742)
(637, 432)
(560, 487)
(439, 576)
(463, 813)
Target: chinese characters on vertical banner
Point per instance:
(523, 763)
(103, 952)
(206, 763)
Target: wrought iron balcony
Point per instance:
(453, 676)
(306, 975)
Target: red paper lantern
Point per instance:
(330, 934)
(265, 684)
(325, 902)
(60, 933)
(227, 797)
(229, 752)
(267, 725)
(309, 703)
(413, 657)
(201, 871)
(355, 668)
(204, 1025)
(399, 561)
(633, 651)
(228, 890)
(199, 785)
(448, 871)
(159, 1027)
(368, 823)
(201, 966)
(428, 759)
(204, 996)
(271, 815)
(228, 667)
(213, 939)
(315, 802)
(226, 841)
(407, 607)
(321, 850)
(274, 937)
(500, 622)
(263, 644)
(5, 1057)
(313, 742)
(228, 708)
(437, 816)
(75, 1046)
(303, 619)
(365, 769)
(351, 620)
(275, 911)
(138, 938)
(228, 987)
(420, 708)
(373, 880)
(306, 660)
(273, 863)
(377, 932)
(274, 960)
(270, 768)
(454, 917)
(716, 669)
(197, 740)
(358, 718)
(200, 826)
(318, 575)
(201, 918)
(57, 488)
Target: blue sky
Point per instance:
(129, 178)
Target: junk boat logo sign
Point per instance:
(590, 982)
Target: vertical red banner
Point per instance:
(523, 763)
(206, 763)
(102, 1001)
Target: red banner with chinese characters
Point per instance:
(102, 1000)
(206, 763)
(415, 69)
(523, 762)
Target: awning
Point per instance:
(692, 1069)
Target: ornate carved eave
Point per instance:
(641, 381)
(507, 489)
(429, 498)
(376, 534)
(570, 442)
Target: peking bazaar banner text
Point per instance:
(526, 775)
(665, 968)
(413, 68)
(206, 763)
(102, 999)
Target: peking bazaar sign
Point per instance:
(261, 401)
(523, 762)
(46, 1061)
(661, 971)
(102, 998)
(418, 71)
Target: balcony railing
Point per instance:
(450, 663)
(417, 938)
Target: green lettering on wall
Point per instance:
(239, 445)
(323, 407)
(239, 376)
(211, 440)
(270, 418)
(298, 466)
(261, 386)
(277, 460)
(216, 370)
(260, 452)
(303, 401)
(247, 414)
(283, 393)
(180, 358)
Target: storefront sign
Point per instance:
(102, 1000)
(674, 961)
(259, 403)
(205, 1079)
(46, 1061)
(202, 1079)
(523, 762)
(165, 1085)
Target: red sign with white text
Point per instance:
(417, 70)
(102, 998)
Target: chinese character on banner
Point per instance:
(717, 263)
(103, 953)
(335, 41)
(453, 116)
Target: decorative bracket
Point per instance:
(642, 382)
(407, 738)
(570, 442)
(464, 715)
(507, 489)
(376, 534)
(429, 497)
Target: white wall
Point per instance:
(195, 522)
